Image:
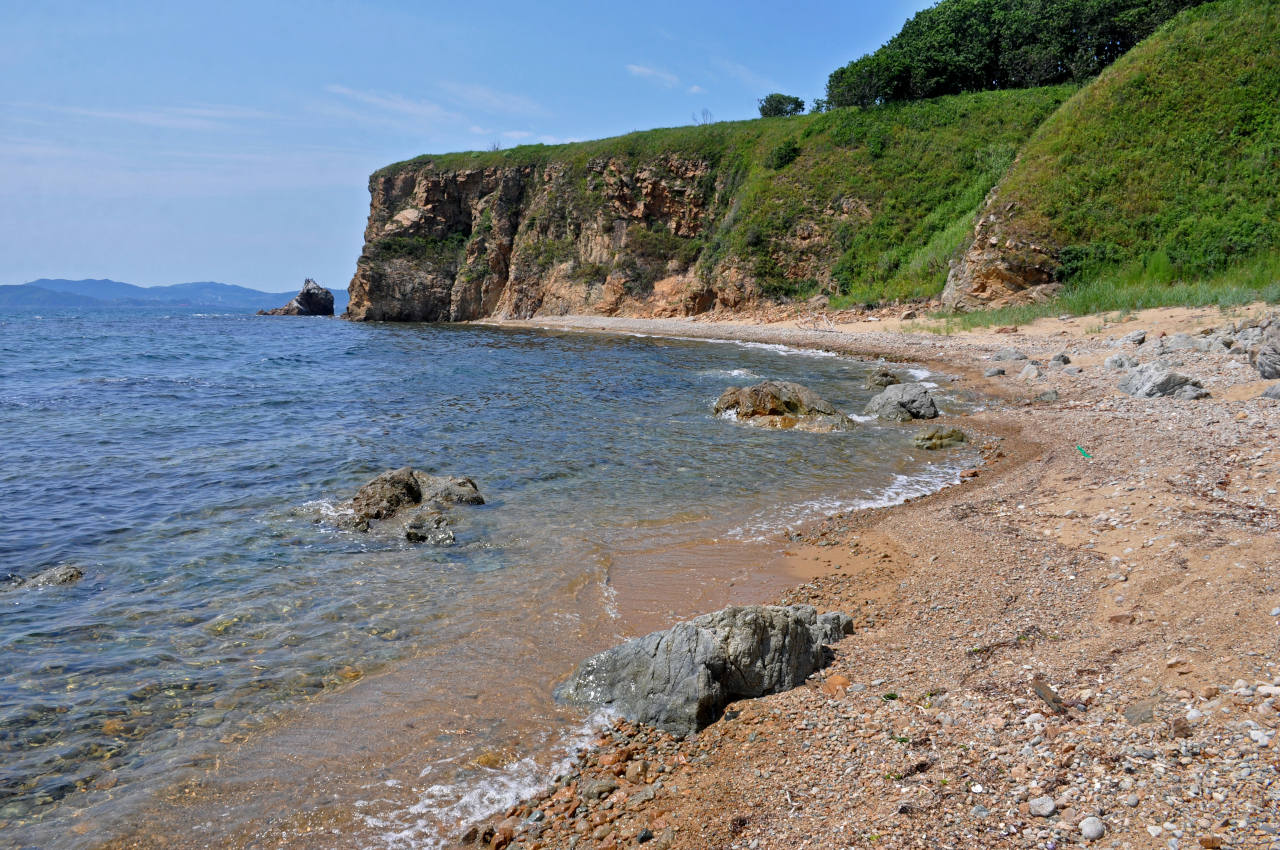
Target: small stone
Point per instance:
(1029, 373)
(645, 836)
(1042, 807)
(1092, 828)
(993, 372)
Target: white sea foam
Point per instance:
(767, 524)
(452, 807)
(917, 373)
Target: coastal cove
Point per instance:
(344, 662)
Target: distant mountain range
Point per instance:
(50, 294)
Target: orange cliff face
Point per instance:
(522, 241)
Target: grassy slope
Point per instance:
(921, 170)
(1166, 170)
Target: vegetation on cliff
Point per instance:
(1160, 182)
(866, 204)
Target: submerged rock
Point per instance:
(61, 574)
(782, 404)
(882, 378)
(682, 678)
(1155, 381)
(312, 300)
(391, 492)
(938, 437)
(902, 403)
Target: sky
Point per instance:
(159, 143)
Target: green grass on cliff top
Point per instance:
(892, 190)
(1167, 167)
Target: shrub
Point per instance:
(778, 105)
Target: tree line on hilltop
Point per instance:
(982, 45)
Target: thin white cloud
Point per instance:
(697, 90)
(747, 76)
(516, 134)
(194, 117)
(658, 75)
(396, 104)
(492, 100)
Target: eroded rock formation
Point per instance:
(1002, 265)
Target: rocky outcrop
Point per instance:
(1002, 266)
(391, 493)
(782, 404)
(902, 403)
(312, 300)
(681, 679)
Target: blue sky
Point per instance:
(160, 143)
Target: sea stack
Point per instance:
(312, 300)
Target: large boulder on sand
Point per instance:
(395, 490)
(902, 403)
(312, 300)
(1154, 381)
(782, 404)
(682, 678)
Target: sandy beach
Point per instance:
(1075, 645)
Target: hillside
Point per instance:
(57, 293)
(868, 203)
(1166, 168)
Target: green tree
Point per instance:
(778, 105)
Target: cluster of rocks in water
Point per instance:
(412, 503)
(784, 404)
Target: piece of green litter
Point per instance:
(1083, 452)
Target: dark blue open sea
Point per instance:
(191, 465)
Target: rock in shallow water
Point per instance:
(938, 437)
(902, 403)
(782, 404)
(61, 574)
(387, 495)
(682, 678)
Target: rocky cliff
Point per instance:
(516, 241)
(670, 222)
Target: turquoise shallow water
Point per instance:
(187, 465)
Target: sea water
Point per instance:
(193, 466)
